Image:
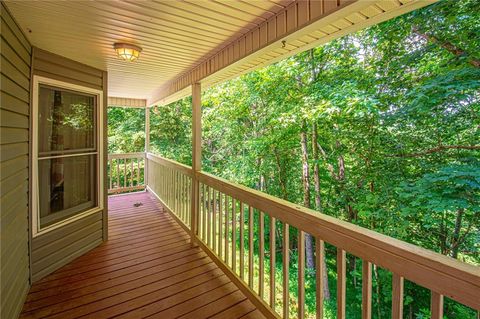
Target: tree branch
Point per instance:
(437, 149)
(447, 46)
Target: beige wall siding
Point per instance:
(14, 125)
(56, 248)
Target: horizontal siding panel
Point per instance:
(16, 30)
(12, 119)
(9, 151)
(67, 79)
(73, 65)
(14, 42)
(15, 308)
(59, 233)
(16, 292)
(65, 252)
(14, 209)
(9, 183)
(12, 166)
(15, 89)
(64, 256)
(11, 71)
(9, 274)
(13, 104)
(15, 233)
(59, 244)
(13, 135)
(9, 54)
(61, 70)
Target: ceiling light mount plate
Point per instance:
(127, 51)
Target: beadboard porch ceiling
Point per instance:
(190, 41)
(174, 35)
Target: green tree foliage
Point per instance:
(126, 130)
(390, 118)
(171, 131)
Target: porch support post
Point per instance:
(196, 156)
(147, 145)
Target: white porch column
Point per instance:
(196, 155)
(147, 144)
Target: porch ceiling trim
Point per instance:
(126, 102)
(300, 26)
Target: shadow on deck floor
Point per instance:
(147, 268)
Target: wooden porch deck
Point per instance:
(147, 269)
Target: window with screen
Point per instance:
(67, 154)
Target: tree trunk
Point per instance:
(456, 233)
(443, 236)
(318, 201)
(281, 175)
(316, 171)
(310, 260)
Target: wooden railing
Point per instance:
(225, 230)
(172, 183)
(126, 172)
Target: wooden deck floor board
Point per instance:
(147, 268)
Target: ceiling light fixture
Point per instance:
(128, 52)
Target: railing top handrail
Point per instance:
(126, 155)
(185, 169)
(385, 251)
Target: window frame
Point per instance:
(37, 230)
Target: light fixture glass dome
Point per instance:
(127, 52)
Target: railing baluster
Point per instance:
(181, 197)
(234, 235)
(175, 192)
(341, 282)
(436, 306)
(131, 173)
(169, 188)
(170, 183)
(285, 268)
(164, 183)
(204, 215)
(242, 241)
(319, 260)
(397, 296)
(366, 290)
(111, 173)
(261, 270)
(250, 246)
(138, 171)
(178, 197)
(227, 231)
(124, 172)
(220, 225)
(301, 274)
(214, 221)
(209, 216)
(189, 202)
(186, 191)
(117, 161)
(272, 262)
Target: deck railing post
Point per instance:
(147, 145)
(196, 156)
